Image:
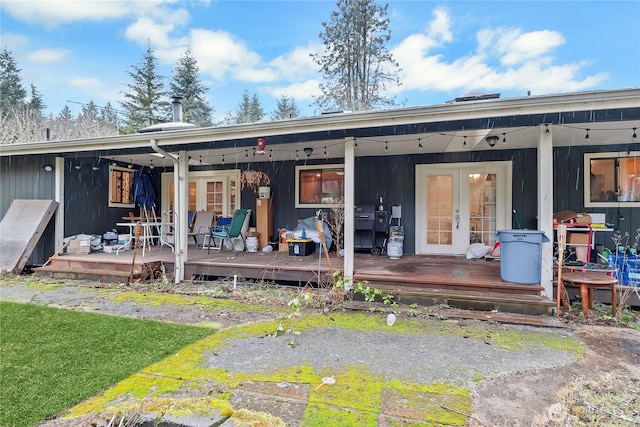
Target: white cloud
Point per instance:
(505, 59)
(14, 41)
(52, 13)
(221, 55)
(297, 64)
(144, 30)
(299, 91)
(96, 90)
(48, 56)
(514, 47)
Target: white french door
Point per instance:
(459, 204)
(216, 191)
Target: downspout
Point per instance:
(178, 248)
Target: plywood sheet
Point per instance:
(20, 231)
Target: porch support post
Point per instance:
(182, 190)
(349, 202)
(59, 197)
(545, 204)
(180, 182)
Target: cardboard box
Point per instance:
(283, 247)
(300, 247)
(577, 238)
(81, 245)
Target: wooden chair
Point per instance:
(201, 225)
(228, 232)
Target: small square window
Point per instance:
(121, 187)
(612, 179)
(319, 186)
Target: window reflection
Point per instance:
(319, 186)
(614, 179)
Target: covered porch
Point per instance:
(423, 279)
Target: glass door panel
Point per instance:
(482, 208)
(439, 206)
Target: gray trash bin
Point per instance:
(521, 255)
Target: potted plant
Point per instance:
(257, 181)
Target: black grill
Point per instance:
(370, 227)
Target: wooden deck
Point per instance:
(427, 280)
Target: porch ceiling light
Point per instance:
(308, 151)
(47, 168)
(492, 140)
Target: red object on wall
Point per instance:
(262, 143)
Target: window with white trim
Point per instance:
(612, 179)
(319, 186)
(121, 187)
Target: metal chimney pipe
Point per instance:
(177, 108)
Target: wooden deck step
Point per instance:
(453, 313)
(470, 300)
(141, 272)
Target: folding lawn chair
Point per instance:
(201, 225)
(228, 232)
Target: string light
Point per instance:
(546, 129)
(504, 138)
(270, 154)
(223, 159)
(464, 143)
(151, 164)
(634, 137)
(200, 159)
(386, 146)
(586, 137)
(297, 158)
(246, 154)
(419, 143)
(325, 152)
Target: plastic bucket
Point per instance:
(252, 244)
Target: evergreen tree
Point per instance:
(65, 122)
(356, 64)
(36, 102)
(186, 83)
(12, 93)
(109, 115)
(146, 100)
(285, 109)
(249, 109)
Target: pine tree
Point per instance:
(109, 115)
(249, 110)
(12, 92)
(285, 109)
(356, 64)
(36, 102)
(186, 83)
(146, 100)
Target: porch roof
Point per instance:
(609, 117)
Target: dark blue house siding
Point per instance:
(24, 177)
(87, 208)
(392, 177)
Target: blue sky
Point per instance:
(81, 51)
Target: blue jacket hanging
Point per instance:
(144, 193)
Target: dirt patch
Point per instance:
(532, 391)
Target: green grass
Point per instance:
(52, 359)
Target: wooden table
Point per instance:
(588, 282)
